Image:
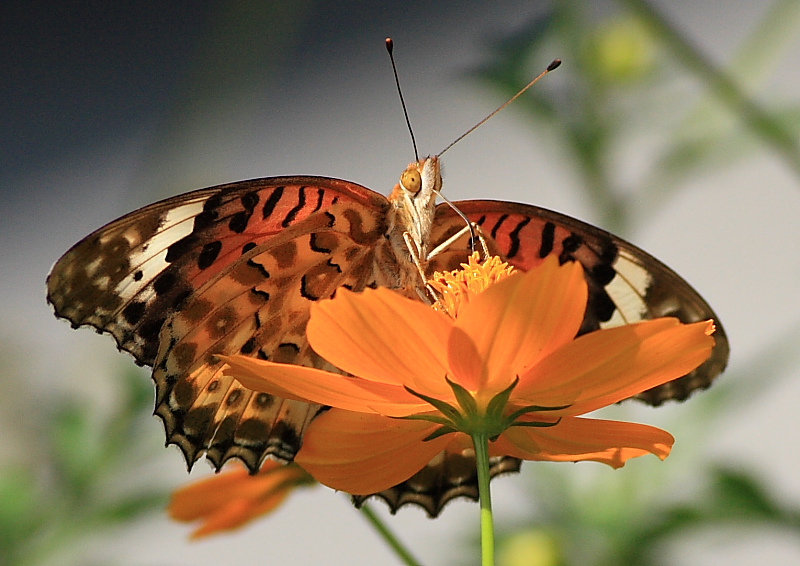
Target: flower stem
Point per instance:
(383, 529)
(481, 442)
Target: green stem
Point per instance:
(758, 120)
(481, 442)
(383, 529)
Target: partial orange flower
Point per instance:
(507, 364)
(231, 499)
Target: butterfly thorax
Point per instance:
(411, 215)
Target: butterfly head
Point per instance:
(413, 203)
(421, 179)
(419, 186)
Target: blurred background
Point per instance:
(673, 124)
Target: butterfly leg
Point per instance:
(428, 295)
(475, 233)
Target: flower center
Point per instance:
(455, 288)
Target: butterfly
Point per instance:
(234, 269)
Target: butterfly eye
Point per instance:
(411, 180)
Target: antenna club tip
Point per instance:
(552, 66)
(389, 44)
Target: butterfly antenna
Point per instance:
(551, 67)
(390, 49)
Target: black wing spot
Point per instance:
(250, 200)
(272, 202)
(134, 312)
(288, 435)
(212, 203)
(164, 282)
(180, 248)
(548, 239)
(569, 246)
(150, 330)
(209, 254)
(603, 273)
(205, 219)
(292, 214)
(514, 236)
(247, 247)
(603, 306)
(249, 346)
(239, 221)
(571, 243)
(498, 224)
(320, 200)
(609, 253)
(138, 275)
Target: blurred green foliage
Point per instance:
(86, 482)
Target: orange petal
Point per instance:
(382, 336)
(326, 388)
(575, 439)
(466, 363)
(607, 366)
(200, 498)
(363, 454)
(521, 319)
(233, 498)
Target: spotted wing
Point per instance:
(626, 284)
(259, 306)
(229, 269)
(234, 269)
(129, 276)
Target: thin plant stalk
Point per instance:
(481, 443)
(403, 553)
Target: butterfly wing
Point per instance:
(227, 269)
(126, 278)
(626, 284)
(259, 306)
(234, 269)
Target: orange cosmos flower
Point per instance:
(506, 364)
(233, 498)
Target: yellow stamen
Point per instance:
(454, 288)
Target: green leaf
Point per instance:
(498, 403)
(464, 398)
(445, 408)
